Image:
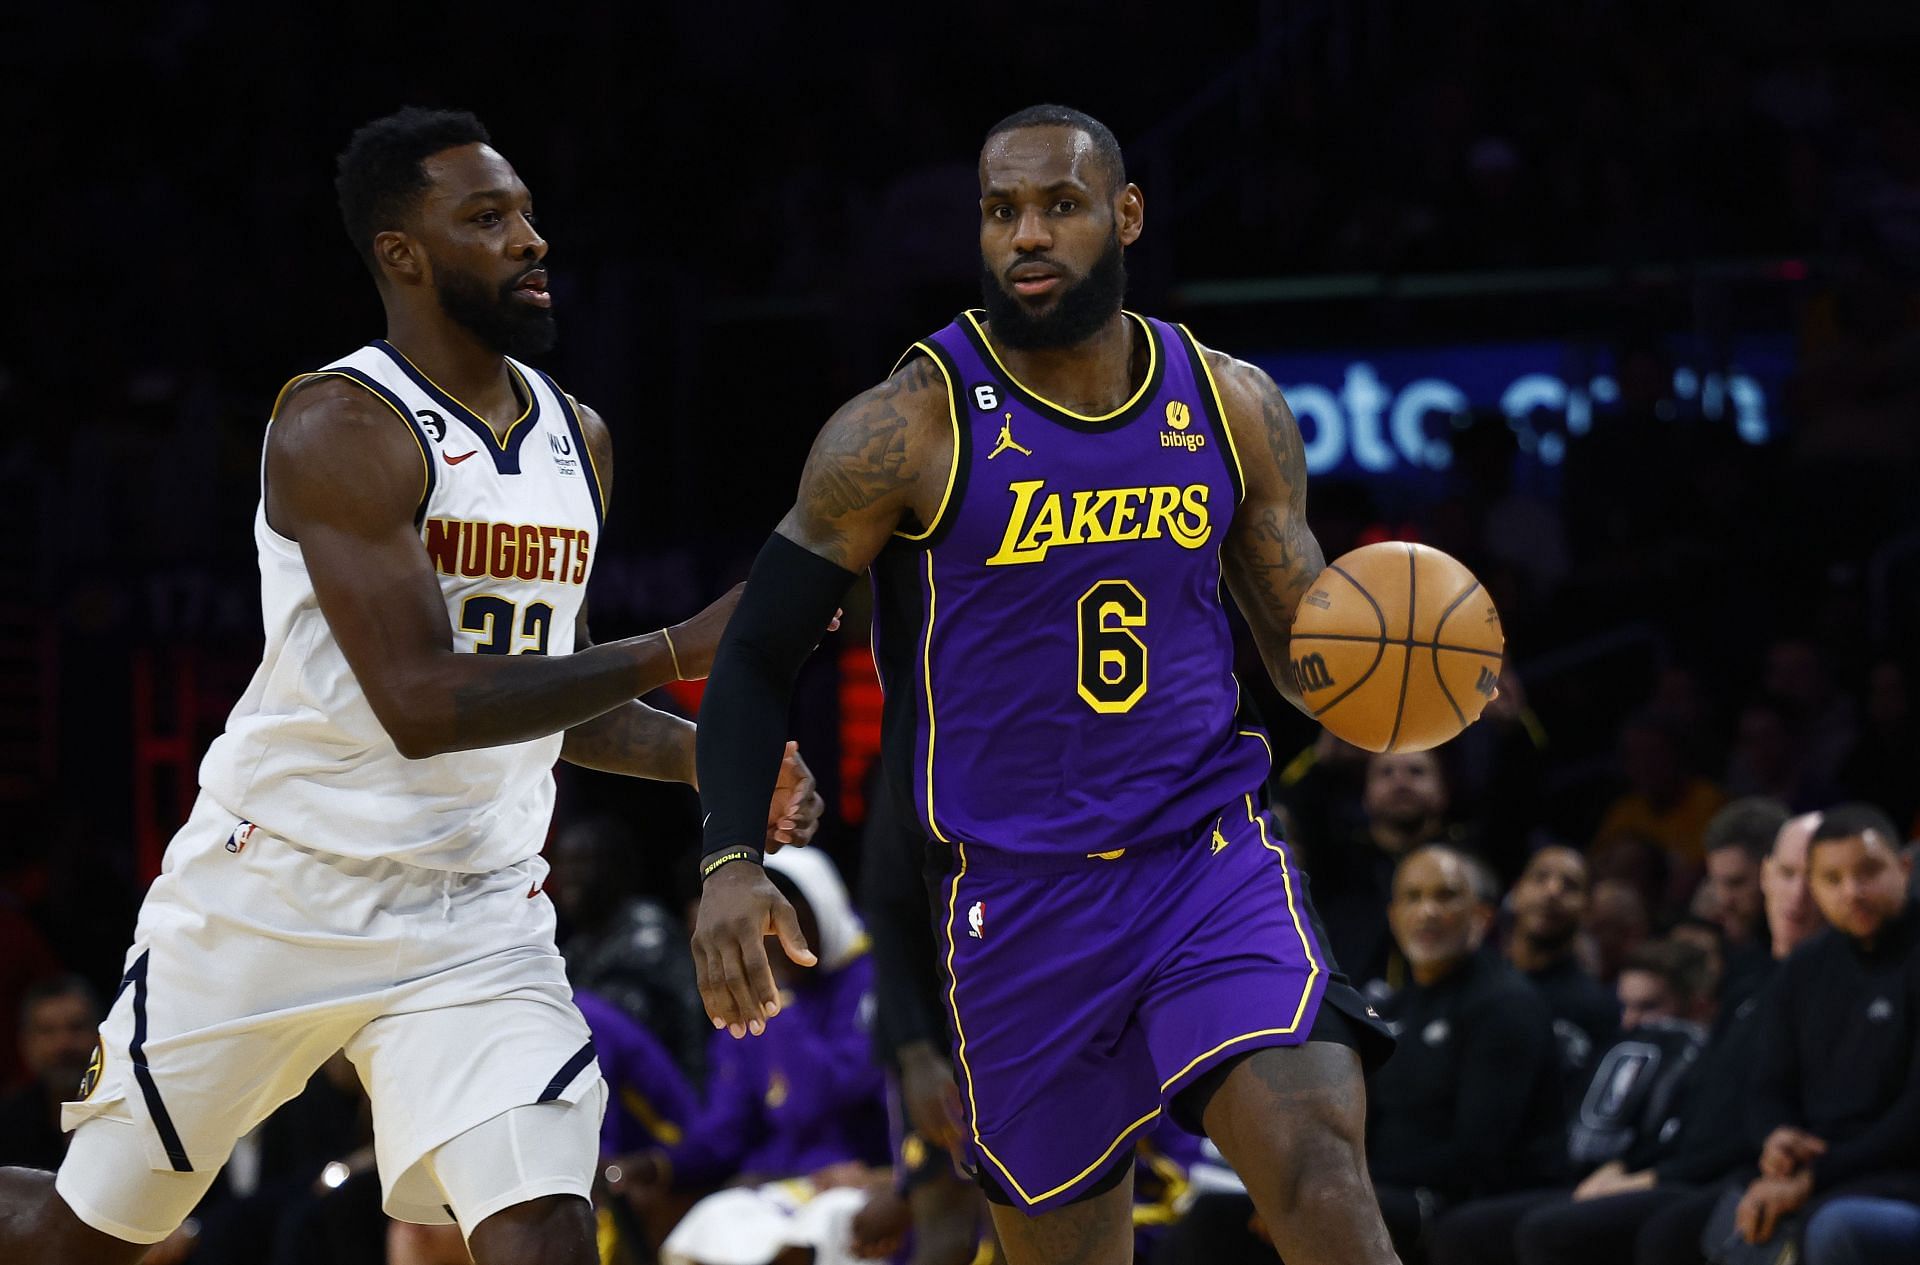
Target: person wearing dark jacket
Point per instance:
(1470, 1102)
(1549, 901)
(1835, 1101)
(1652, 1213)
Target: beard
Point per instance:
(495, 317)
(1078, 312)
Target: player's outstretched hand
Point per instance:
(794, 814)
(696, 639)
(739, 908)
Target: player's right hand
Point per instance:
(739, 908)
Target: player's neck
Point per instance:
(1096, 375)
(459, 364)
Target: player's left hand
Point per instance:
(794, 815)
(739, 908)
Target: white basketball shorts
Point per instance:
(254, 959)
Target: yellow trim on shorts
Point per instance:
(1306, 944)
(966, 1069)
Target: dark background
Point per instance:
(753, 209)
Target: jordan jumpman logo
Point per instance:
(1007, 441)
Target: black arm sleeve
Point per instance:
(791, 595)
(893, 899)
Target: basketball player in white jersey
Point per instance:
(362, 867)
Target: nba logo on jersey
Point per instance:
(977, 919)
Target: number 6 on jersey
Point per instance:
(1113, 662)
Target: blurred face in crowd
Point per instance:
(1434, 916)
(1732, 886)
(1887, 705)
(1792, 917)
(1644, 995)
(1859, 882)
(1709, 945)
(1551, 897)
(1405, 790)
(57, 1040)
(1764, 743)
(1617, 922)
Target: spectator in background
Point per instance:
(1664, 801)
(1737, 842)
(1836, 1091)
(25, 960)
(1650, 1207)
(1404, 802)
(1469, 1104)
(59, 1033)
(1768, 757)
(1548, 904)
(1616, 922)
(1627, 1113)
(1822, 716)
(1792, 916)
(630, 950)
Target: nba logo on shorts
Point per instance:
(977, 919)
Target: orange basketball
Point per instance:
(1396, 647)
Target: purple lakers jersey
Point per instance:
(1054, 650)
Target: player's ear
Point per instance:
(399, 256)
(1129, 214)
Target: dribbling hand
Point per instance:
(739, 908)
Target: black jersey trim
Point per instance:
(962, 464)
(568, 1070)
(969, 323)
(399, 406)
(149, 1090)
(505, 452)
(579, 433)
(1215, 408)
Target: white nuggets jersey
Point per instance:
(510, 529)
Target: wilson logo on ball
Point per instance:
(1310, 674)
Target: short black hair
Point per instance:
(1750, 824)
(1848, 821)
(1106, 146)
(378, 175)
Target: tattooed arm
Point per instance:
(1271, 556)
(879, 463)
(879, 460)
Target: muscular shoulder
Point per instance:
(1247, 392)
(880, 461)
(338, 450)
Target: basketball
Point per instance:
(1396, 647)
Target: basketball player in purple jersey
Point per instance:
(1049, 494)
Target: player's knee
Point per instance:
(552, 1230)
(36, 1226)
